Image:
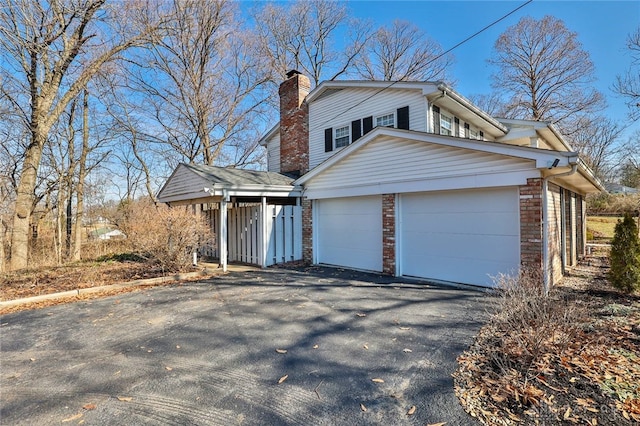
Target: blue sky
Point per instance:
(602, 28)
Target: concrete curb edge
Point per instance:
(89, 290)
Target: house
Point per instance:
(106, 234)
(403, 178)
(616, 188)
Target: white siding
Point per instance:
(183, 184)
(273, 154)
(357, 103)
(396, 161)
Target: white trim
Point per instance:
(264, 241)
(223, 234)
(425, 87)
(335, 136)
(393, 114)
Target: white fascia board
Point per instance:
(518, 133)
(450, 92)
(255, 191)
(270, 134)
(543, 158)
(425, 87)
(472, 181)
(588, 174)
(545, 129)
(189, 196)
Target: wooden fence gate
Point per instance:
(246, 234)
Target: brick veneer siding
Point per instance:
(307, 231)
(294, 125)
(531, 225)
(389, 234)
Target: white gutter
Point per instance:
(449, 92)
(545, 224)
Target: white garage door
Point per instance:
(349, 232)
(460, 236)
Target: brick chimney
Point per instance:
(294, 124)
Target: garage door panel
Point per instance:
(494, 222)
(349, 232)
(488, 247)
(460, 236)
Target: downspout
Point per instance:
(545, 224)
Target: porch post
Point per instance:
(263, 233)
(223, 231)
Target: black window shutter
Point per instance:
(403, 118)
(356, 130)
(481, 134)
(436, 120)
(367, 125)
(456, 120)
(466, 130)
(328, 139)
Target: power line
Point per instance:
(434, 59)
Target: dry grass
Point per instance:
(602, 227)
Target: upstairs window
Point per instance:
(387, 120)
(342, 136)
(445, 125)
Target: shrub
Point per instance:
(625, 256)
(166, 235)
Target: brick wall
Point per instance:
(389, 234)
(294, 125)
(531, 224)
(307, 231)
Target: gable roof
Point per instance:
(543, 159)
(229, 177)
(437, 92)
(190, 182)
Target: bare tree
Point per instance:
(204, 83)
(402, 52)
(629, 160)
(544, 73)
(628, 84)
(596, 141)
(302, 35)
(53, 49)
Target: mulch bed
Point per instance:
(41, 281)
(587, 374)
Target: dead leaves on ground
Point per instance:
(594, 379)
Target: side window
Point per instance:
(445, 125)
(387, 120)
(341, 136)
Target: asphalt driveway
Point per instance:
(205, 353)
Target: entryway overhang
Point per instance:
(261, 199)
